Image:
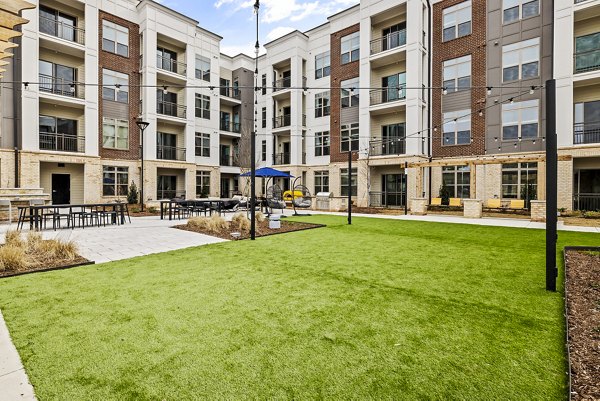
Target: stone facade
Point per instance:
(538, 210)
(473, 208)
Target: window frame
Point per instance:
(322, 104)
(321, 180)
(109, 27)
(202, 175)
(519, 6)
(263, 151)
(352, 51)
(519, 48)
(518, 108)
(322, 143)
(323, 70)
(263, 116)
(115, 78)
(116, 123)
(204, 74)
(117, 187)
(521, 169)
(457, 187)
(349, 137)
(453, 67)
(353, 182)
(349, 96)
(461, 116)
(204, 107)
(202, 144)
(450, 20)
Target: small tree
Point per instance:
(528, 193)
(132, 194)
(445, 194)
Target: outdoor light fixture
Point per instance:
(489, 90)
(531, 90)
(444, 91)
(142, 125)
(165, 90)
(72, 88)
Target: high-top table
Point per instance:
(36, 212)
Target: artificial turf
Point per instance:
(381, 309)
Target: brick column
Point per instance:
(538, 210)
(418, 206)
(473, 208)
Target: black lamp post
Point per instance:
(142, 125)
(253, 137)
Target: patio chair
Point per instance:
(57, 215)
(436, 202)
(455, 202)
(25, 214)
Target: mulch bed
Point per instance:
(143, 214)
(58, 265)
(262, 229)
(583, 318)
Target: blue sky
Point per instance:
(234, 19)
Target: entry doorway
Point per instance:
(61, 189)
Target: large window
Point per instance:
(263, 151)
(322, 104)
(457, 128)
(521, 60)
(322, 143)
(202, 144)
(202, 184)
(115, 38)
(115, 181)
(349, 93)
(458, 181)
(59, 24)
(587, 52)
(513, 10)
(321, 181)
(322, 65)
(350, 48)
(344, 182)
(203, 106)
(519, 181)
(115, 133)
(394, 140)
(264, 84)
(264, 117)
(203, 68)
(457, 20)
(349, 134)
(587, 122)
(520, 120)
(457, 74)
(115, 86)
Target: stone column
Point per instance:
(538, 210)
(418, 206)
(473, 208)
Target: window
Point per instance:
(202, 184)
(587, 122)
(520, 120)
(513, 10)
(115, 181)
(322, 143)
(58, 79)
(587, 51)
(202, 106)
(322, 104)
(350, 48)
(349, 134)
(202, 144)
(393, 87)
(321, 181)
(521, 60)
(59, 24)
(457, 21)
(393, 139)
(519, 180)
(115, 133)
(322, 65)
(115, 86)
(263, 151)
(344, 182)
(166, 59)
(457, 127)
(457, 74)
(115, 38)
(264, 84)
(203, 68)
(59, 134)
(458, 181)
(349, 95)
(264, 117)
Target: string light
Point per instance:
(444, 91)
(165, 90)
(489, 90)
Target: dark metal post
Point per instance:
(142, 125)
(405, 188)
(253, 138)
(551, 185)
(350, 187)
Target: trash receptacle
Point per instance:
(275, 222)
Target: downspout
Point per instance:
(429, 91)
(16, 95)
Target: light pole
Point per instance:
(142, 125)
(253, 138)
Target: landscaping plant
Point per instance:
(132, 194)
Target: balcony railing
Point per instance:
(164, 152)
(281, 158)
(229, 126)
(396, 146)
(586, 202)
(388, 42)
(387, 199)
(229, 160)
(171, 65)
(233, 93)
(62, 87)
(170, 194)
(285, 83)
(61, 30)
(62, 142)
(170, 109)
(386, 95)
(282, 121)
(586, 133)
(587, 61)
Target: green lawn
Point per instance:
(382, 309)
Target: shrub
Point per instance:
(200, 223)
(240, 222)
(260, 217)
(591, 215)
(445, 194)
(152, 209)
(132, 194)
(216, 223)
(13, 258)
(13, 237)
(572, 213)
(34, 241)
(135, 209)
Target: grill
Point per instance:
(323, 200)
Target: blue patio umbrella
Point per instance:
(268, 172)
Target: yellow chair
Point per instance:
(436, 202)
(287, 195)
(517, 204)
(494, 203)
(455, 202)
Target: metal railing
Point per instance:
(586, 202)
(281, 158)
(587, 61)
(62, 87)
(234, 93)
(62, 142)
(282, 121)
(61, 30)
(586, 133)
(171, 65)
(170, 109)
(229, 160)
(386, 95)
(396, 146)
(170, 194)
(229, 126)
(285, 83)
(387, 199)
(388, 42)
(164, 152)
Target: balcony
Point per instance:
(584, 133)
(386, 95)
(388, 42)
(233, 93)
(387, 199)
(164, 152)
(587, 61)
(171, 65)
(285, 83)
(230, 127)
(170, 194)
(61, 30)
(282, 121)
(229, 161)
(171, 109)
(61, 87)
(281, 158)
(62, 142)
(387, 147)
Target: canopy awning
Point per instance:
(268, 172)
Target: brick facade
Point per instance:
(475, 45)
(340, 72)
(126, 65)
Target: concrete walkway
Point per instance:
(14, 384)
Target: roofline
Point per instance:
(343, 11)
(295, 32)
